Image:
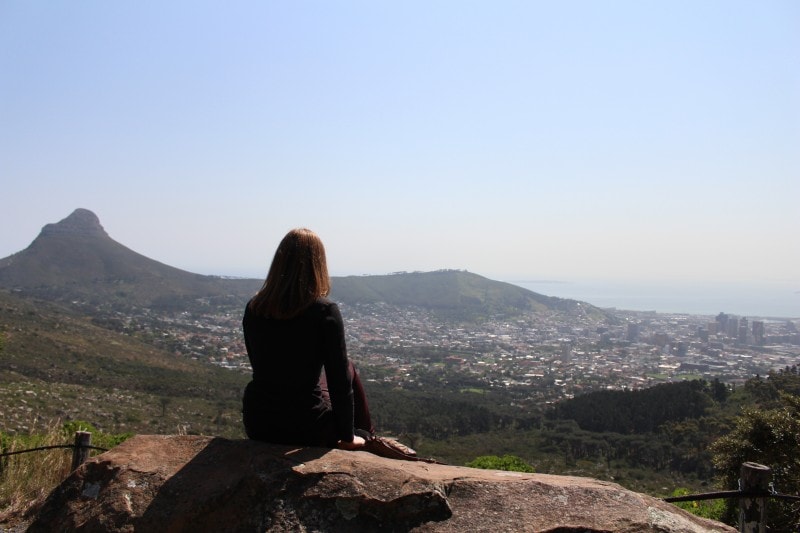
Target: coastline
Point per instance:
(768, 301)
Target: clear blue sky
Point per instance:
(518, 140)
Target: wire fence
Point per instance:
(755, 488)
(80, 449)
(51, 447)
(731, 494)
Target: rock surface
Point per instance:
(192, 483)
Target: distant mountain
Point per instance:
(76, 260)
(456, 293)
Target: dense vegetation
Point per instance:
(767, 432)
(698, 436)
(648, 455)
(641, 411)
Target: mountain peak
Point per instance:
(76, 260)
(79, 222)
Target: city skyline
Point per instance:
(613, 141)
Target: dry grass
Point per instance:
(27, 478)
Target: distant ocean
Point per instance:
(747, 300)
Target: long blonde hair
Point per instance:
(298, 276)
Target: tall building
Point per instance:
(733, 327)
(758, 332)
(743, 331)
(722, 322)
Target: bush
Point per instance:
(510, 463)
(99, 439)
(713, 509)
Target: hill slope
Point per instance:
(54, 363)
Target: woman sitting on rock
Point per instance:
(292, 332)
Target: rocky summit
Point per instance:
(194, 483)
(80, 222)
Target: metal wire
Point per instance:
(54, 446)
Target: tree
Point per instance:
(164, 402)
(770, 437)
(719, 391)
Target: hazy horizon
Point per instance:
(615, 141)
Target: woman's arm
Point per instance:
(340, 384)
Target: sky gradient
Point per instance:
(618, 140)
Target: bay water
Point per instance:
(759, 300)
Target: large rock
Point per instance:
(189, 483)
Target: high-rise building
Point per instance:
(743, 331)
(758, 332)
(733, 327)
(722, 322)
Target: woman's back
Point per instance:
(285, 402)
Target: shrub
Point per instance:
(713, 509)
(507, 462)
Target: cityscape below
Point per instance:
(546, 357)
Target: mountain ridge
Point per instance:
(75, 260)
(456, 293)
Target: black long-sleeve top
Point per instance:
(284, 400)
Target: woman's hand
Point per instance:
(356, 443)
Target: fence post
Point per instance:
(752, 509)
(83, 439)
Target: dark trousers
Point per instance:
(266, 420)
(361, 418)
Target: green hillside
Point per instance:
(56, 364)
(455, 294)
